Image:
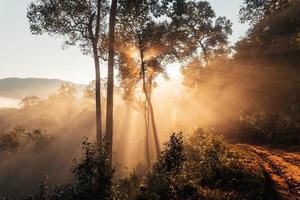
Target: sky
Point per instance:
(25, 55)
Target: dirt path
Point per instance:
(283, 168)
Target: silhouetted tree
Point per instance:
(201, 31)
(30, 101)
(89, 91)
(93, 173)
(110, 78)
(274, 33)
(80, 22)
(255, 10)
(19, 137)
(144, 50)
(67, 91)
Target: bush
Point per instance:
(276, 128)
(93, 173)
(203, 167)
(20, 137)
(93, 179)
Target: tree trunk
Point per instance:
(148, 100)
(155, 134)
(94, 40)
(98, 96)
(110, 80)
(147, 136)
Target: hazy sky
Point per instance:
(25, 55)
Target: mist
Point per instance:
(189, 114)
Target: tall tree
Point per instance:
(144, 50)
(274, 33)
(203, 33)
(255, 10)
(80, 22)
(110, 78)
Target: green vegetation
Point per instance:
(203, 166)
(249, 93)
(274, 34)
(278, 129)
(260, 81)
(20, 137)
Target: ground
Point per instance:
(282, 167)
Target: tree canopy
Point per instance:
(275, 32)
(80, 22)
(75, 20)
(255, 10)
(202, 32)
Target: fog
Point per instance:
(67, 121)
(9, 103)
(214, 98)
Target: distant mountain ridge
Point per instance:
(17, 88)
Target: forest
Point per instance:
(228, 128)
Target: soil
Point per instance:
(283, 168)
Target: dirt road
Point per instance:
(283, 169)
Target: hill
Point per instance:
(16, 88)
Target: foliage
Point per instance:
(263, 103)
(89, 91)
(273, 37)
(128, 188)
(30, 101)
(93, 179)
(80, 22)
(67, 91)
(144, 50)
(194, 29)
(275, 128)
(172, 157)
(20, 137)
(203, 167)
(144, 45)
(256, 10)
(93, 173)
(75, 20)
(197, 75)
(203, 34)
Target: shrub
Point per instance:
(93, 173)
(93, 179)
(203, 167)
(20, 137)
(276, 128)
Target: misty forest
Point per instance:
(226, 128)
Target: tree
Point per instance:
(110, 79)
(20, 137)
(80, 22)
(255, 10)
(201, 32)
(93, 173)
(273, 36)
(30, 101)
(89, 91)
(144, 50)
(67, 91)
